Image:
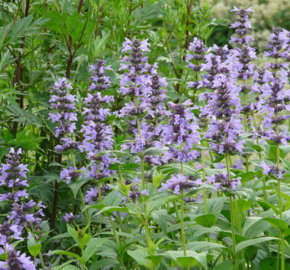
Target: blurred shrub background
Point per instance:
(267, 14)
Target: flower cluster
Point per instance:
(242, 26)
(196, 52)
(15, 260)
(179, 183)
(97, 133)
(23, 213)
(65, 116)
(181, 133)
(221, 181)
(272, 170)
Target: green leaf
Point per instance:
(75, 187)
(250, 253)
(61, 267)
(244, 205)
(156, 259)
(203, 246)
(16, 30)
(175, 167)
(34, 250)
(161, 220)
(98, 44)
(92, 247)
(286, 163)
(226, 265)
(108, 209)
(277, 223)
(155, 204)
(139, 255)
(112, 199)
(200, 257)
(271, 264)
(70, 267)
(252, 242)
(82, 242)
(273, 152)
(67, 253)
(247, 176)
(73, 233)
(23, 116)
(214, 206)
(254, 226)
(5, 59)
(206, 220)
(204, 230)
(186, 262)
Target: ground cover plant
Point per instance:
(163, 154)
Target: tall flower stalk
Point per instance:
(276, 111)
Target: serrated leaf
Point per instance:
(139, 255)
(92, 247)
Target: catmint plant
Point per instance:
(25, 216)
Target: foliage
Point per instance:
(165, 153)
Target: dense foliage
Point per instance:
(163, 153)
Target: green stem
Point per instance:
(233, 231)
(149, 243)
(260, 157)
(247, 162)
(42, 262)
(280, 202)
(83, 205)
(232, 215)
(182, 235)
(176, 211)
(100, 192)
(141, 156)
(114, 231)
(142, 173)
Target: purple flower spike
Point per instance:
(178, 183)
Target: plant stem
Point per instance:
(233, 232)
(114, 232)
(203, 178)
(83, 205)
(42, 262)
(141, 157)
(182, 235)
(260, 157)
(232, 215)
(280, 202)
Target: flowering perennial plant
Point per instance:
(148, 179)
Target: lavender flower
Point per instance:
(272, 170)
(72, 173)
(22, 214)
(16, 260)
(98, 135)
(93, 194)
(241, 26)
(65, 105)
(181, 131)
(196, 52)
(100, 81)
(221, 181)
(178, 184)
(70, 217)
